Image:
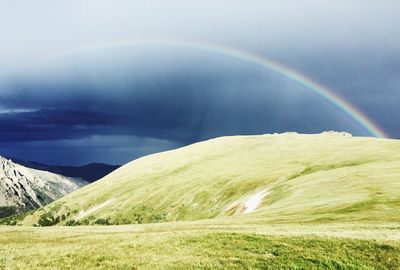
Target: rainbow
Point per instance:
(284, 71)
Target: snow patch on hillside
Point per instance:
(83, 214)
(254, 201)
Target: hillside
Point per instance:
(287, 178)
(90, 172)
(24, 189)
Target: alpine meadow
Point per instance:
(252, 202)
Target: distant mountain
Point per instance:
(90, 172)
(23, 188)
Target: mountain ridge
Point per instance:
(90, 172)
(23, 188)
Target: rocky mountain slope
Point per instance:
(22, 188)
(283, 178)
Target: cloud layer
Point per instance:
(61, 107)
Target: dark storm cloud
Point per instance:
(134, 101)
(50, 124)
(163, 108)
(221, 96)
(187, 104)
(58, 115)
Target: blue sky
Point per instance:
(67, 99)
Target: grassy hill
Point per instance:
(288, 178)
(289, 201)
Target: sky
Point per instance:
(111, 81)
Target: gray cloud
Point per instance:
(50, 94)
(51, 28)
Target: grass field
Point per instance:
(201, 246)
(329, 201)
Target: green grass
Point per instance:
(193, 246)
(333, 203)
(310, 178)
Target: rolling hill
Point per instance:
(267, 179)
(23, 189)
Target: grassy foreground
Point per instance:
(199, 246)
